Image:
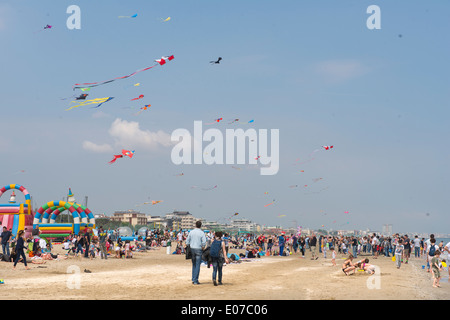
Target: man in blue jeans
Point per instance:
(281, 243)
(197, 242)
(5, 236)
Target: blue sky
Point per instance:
(311, 69)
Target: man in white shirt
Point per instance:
(416, 247)
(374, 246)
(196, 240)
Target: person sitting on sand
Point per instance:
(348, 266)
(127, 250)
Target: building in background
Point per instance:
(130, 216)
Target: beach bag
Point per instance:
(432, 251)
(215, 249)
(188, 252)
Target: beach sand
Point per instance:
(154, 275)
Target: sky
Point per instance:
(311, 69)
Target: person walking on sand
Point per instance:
(20, 245)
(431, 251)
(416, 242)
(218, 254)
(196, 240)
(312, 246)
(103, 237)
(436, 269)
(399, 253)
(302, 245)
(407, 246)
(6, 239)
(281, 243)
(333, 257)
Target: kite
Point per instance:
(86, 89)
(235, 120)
(165, 20)
(257, 157)
(124, 154)
(270, 203)
(156, 201)
(140, 97)
(160, 62)
(237, 168)
(217, 61)
(235, 214)
(281, 215)
(179, 175)
(133, 16)
(346, 212)
(293, 186)
(317, 179)
(100, 101)
(327, 147)
(144, 108)
(46, 27)
(82, 97)
(215, 120)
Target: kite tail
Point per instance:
(115, 158)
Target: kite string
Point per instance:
(94, 84)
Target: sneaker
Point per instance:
(220, 283)
(215, 283)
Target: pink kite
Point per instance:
(124, 154)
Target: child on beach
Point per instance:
(399, 253)
(348, 266)
(333, 256)
(436, 269)
(92, 249)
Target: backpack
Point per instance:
(432, 250)
(214, 251)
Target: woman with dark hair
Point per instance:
(219, 256)
(20, 245)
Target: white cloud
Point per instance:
(129, 135)
(102, 148)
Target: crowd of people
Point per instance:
(198, 245)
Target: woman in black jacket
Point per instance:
(20, 245)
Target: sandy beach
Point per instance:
(154, 275)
